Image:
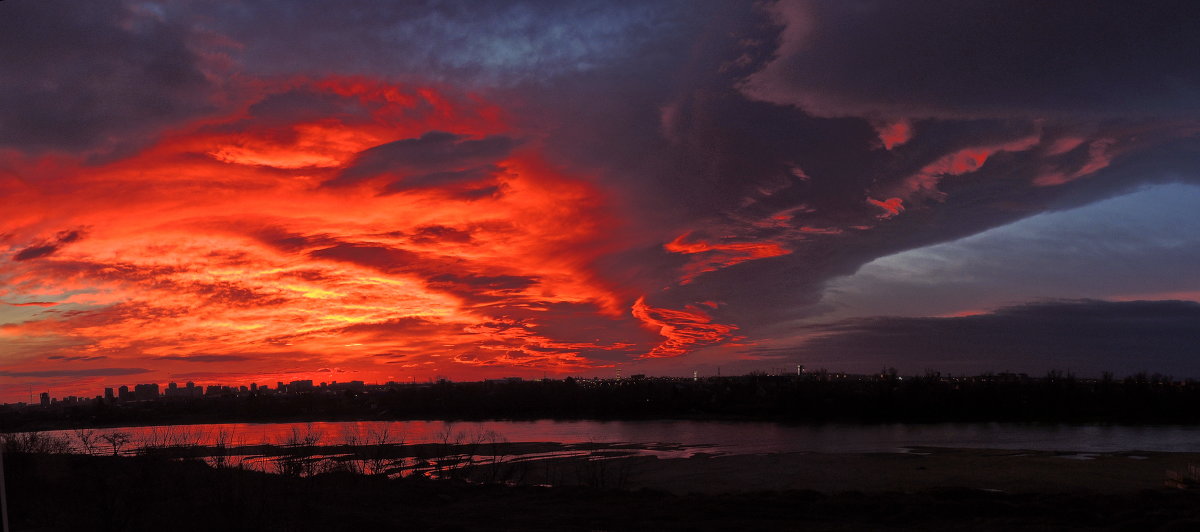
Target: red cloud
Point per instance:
(892, 206)
(684, 330)
(31, 304)
(219, 241)
(1100, 155)
(957, 163)
(714, 256)
(893, 134)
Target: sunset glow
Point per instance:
(423, 195)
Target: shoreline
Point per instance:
(997, 470)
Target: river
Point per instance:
(706, 436)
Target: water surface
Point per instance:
(713, 436)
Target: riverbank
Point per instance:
(70, 492)
(1010, 471)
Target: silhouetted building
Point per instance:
(301, 386)
(145, 392)
(356, 386)
(45, 398)
(124, 394)
(216, 391)
(108, 394)
(175, 391)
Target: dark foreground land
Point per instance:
(72, 492)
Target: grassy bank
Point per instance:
(105, 493)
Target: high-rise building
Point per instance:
(124, 394)
(45, 399)
(145, 392)
(108, 394)
(175, 391)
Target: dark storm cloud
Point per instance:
(206, 359)
(970, 59)
(382, 258)
(489, 283)
(397, 326)
(33, 252)
(440, 233)
(1087, 336)
(95, 372)
(765, 294)
(711, 124)
(49, 247)
(93, 76)
(74, 358)
(438, 273)
(444, 179)
(435, 158)
(454, 42)
(690, 153)
(303, 105)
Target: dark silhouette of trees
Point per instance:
(811, 398)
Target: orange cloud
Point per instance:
(960, 162)
(684, 330)
(891, 206)
(220, 242)
(1100, 155)
(893, 134)
(710, 257)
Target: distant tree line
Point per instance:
(810, 398)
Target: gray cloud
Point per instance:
(96, 77)
(94, 372)
(455, 42)
(205, 358)
(435, 158)
(48, 247)
(971, 59)
(1141, 245)
(1086, 336)
(650, 102)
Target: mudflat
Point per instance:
(1011, 471)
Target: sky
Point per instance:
(230, 192)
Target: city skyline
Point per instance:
(283, 191)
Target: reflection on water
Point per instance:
(727, 437)
(432, 448)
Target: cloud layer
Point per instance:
(275, 190)
(1122, 337)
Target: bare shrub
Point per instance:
(116, 440)
(378, 441)
(89, 441)
(35, 443)
(222, 440)
(295, 460)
